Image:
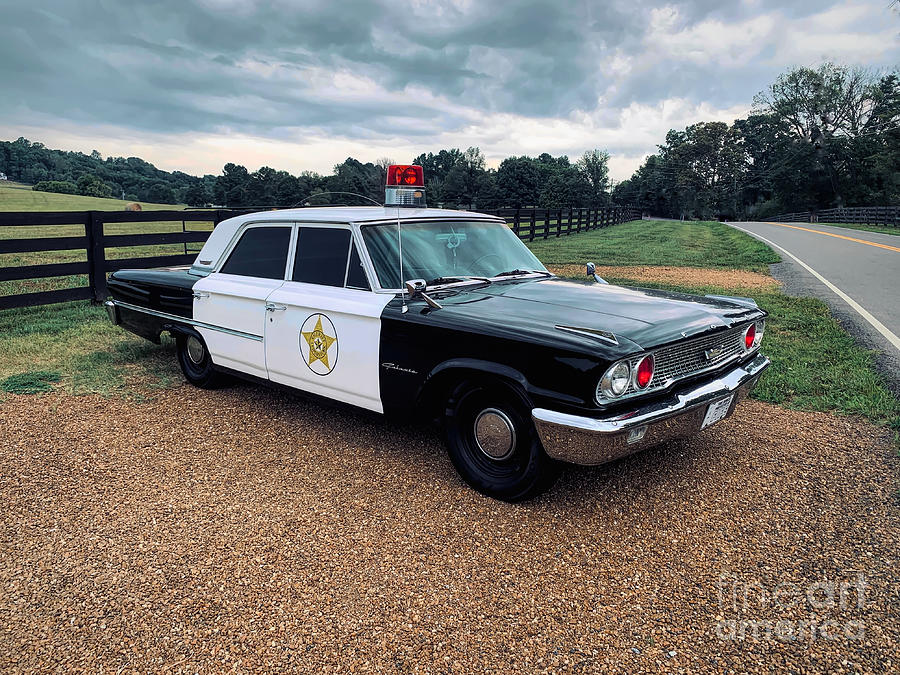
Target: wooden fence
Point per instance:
(868, 215)
(530, 224)
(92, 246)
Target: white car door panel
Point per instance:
(235, 306)
(326, 341)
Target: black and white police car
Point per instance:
(407, 310)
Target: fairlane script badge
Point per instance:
(319, 344)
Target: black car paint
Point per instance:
(506, 328)
(509, 328)
(167, 290)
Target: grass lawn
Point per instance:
(653, 242)
(18, 197)
(883, 229)
(75, 343)
(15, 197)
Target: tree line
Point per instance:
(817, 138)
(454, 178)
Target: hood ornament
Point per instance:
(604, 335)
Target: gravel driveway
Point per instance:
(246, 529)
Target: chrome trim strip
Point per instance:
(181, 319)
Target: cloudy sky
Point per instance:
(192, 84)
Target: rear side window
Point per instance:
(321, 256)
(261, 252)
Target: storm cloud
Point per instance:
(502, 75)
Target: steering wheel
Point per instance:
(477, 260)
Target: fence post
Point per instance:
(533, 223)
(96, 256)
(517, 223)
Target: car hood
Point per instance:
(638, 317)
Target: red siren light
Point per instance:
(405, 186)
(405, 175)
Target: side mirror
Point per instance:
(415, 286)
(416, 289)
(592, 272)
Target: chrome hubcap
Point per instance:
(195, 350)
(495, 434)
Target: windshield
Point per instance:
(441, 250)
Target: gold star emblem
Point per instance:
(319, 344)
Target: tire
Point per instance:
(197, 366)
(493, 444)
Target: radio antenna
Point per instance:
(404, 308)
(333, 192)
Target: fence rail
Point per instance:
(868, 215)
(528, 224)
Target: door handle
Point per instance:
(272, 307)
(199, 295)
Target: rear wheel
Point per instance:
(493, 444)
(193, 357)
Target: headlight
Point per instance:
(760, 329)
(614, 381)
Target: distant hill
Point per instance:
(134, 178)
(18, 197)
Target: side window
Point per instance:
(321, 256)
(261, 252)
(356, 274)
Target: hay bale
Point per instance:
(133, 206)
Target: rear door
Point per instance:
(231, 301)
(323, 325)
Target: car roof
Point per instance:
(356, 214)
(218, 240)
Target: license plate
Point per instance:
(716, 411)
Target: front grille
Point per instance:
(689, 358)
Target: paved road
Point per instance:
(858, 277)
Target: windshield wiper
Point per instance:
(514, 273)
(451, 280)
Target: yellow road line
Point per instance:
(840, 236)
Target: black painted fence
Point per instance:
(529, 224)
(868, 215)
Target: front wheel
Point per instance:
(493, 444)
(197, 366)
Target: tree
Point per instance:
(594, 168)
(160, 193)
(91, 186)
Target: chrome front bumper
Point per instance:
(597, 440)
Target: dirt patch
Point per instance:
(685, 276)
(246, 530)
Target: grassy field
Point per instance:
(18, 197)
(15, 197)
(75, 342)
(883, 229)
(648, 242)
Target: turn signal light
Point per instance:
(645, 371)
